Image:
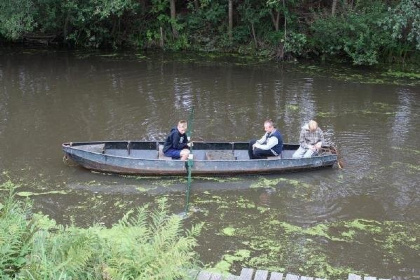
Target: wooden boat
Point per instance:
(209, 158)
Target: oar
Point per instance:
(189, 163)
(339, 158)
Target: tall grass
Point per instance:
(144, 244)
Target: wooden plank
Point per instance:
(306, 278)
(216, 276)
(354, 277)
(246, 274)
(261, 275)
(232, 277)
(370, 278)
(220, 155)
(292, 277)
(204, 275)
(276, 276)
(320, 279)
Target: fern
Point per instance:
(142, 245)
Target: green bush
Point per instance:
(142, 245)
(356, 34)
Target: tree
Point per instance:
(16, 18)
(173, 18)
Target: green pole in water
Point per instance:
(189, 163)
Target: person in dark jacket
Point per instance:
(271, 144)
(176, 145)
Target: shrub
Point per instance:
(142, 245)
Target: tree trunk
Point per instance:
(230, 19)
(285, 31)
(161, 37)
(275, 20)
(66, 26)
(173, 19)
(334, 6)
(253, 35)
(196, 5)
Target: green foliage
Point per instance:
(16, 18)
(404, 22)
(365, 32)
(356, 34)
(295, 43)
(370, 33)
(95, 23)
(15, 233)
(142, 245)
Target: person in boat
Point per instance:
(176, 145)
(311, 140)
(271, 144)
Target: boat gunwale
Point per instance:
(275, 158)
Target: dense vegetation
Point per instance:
(142, 245)
(365, 32)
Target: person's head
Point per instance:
(268, 126)
(313, 125)
(182, 126)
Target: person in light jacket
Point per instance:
(271, 144)
(311, 140)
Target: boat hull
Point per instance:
(142, 158)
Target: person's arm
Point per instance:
(321, 140)
(262, 140)
(272, 141)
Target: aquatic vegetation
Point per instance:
(143, 189)
(28, 194)
(408, 167)
(220, 179)
(292, 107)
(285, 246)
(383, 76)
(406, 150)
(399, 74)
(227, 260)
(229, 231)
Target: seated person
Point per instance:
(176, 145)
(271, 144)
(311, 140)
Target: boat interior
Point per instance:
(200, 150)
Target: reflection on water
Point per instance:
(47, 98)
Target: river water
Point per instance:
(362, 219)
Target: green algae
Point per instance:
(228, 259)
(408, 167)
(273, 243)
(381, 76)
(28, 194)
(417, 152)
(229, 231)
(271, 183)
(145, 189)
(292, 107)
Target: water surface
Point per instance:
(363, 218)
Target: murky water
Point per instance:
(363, 218)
